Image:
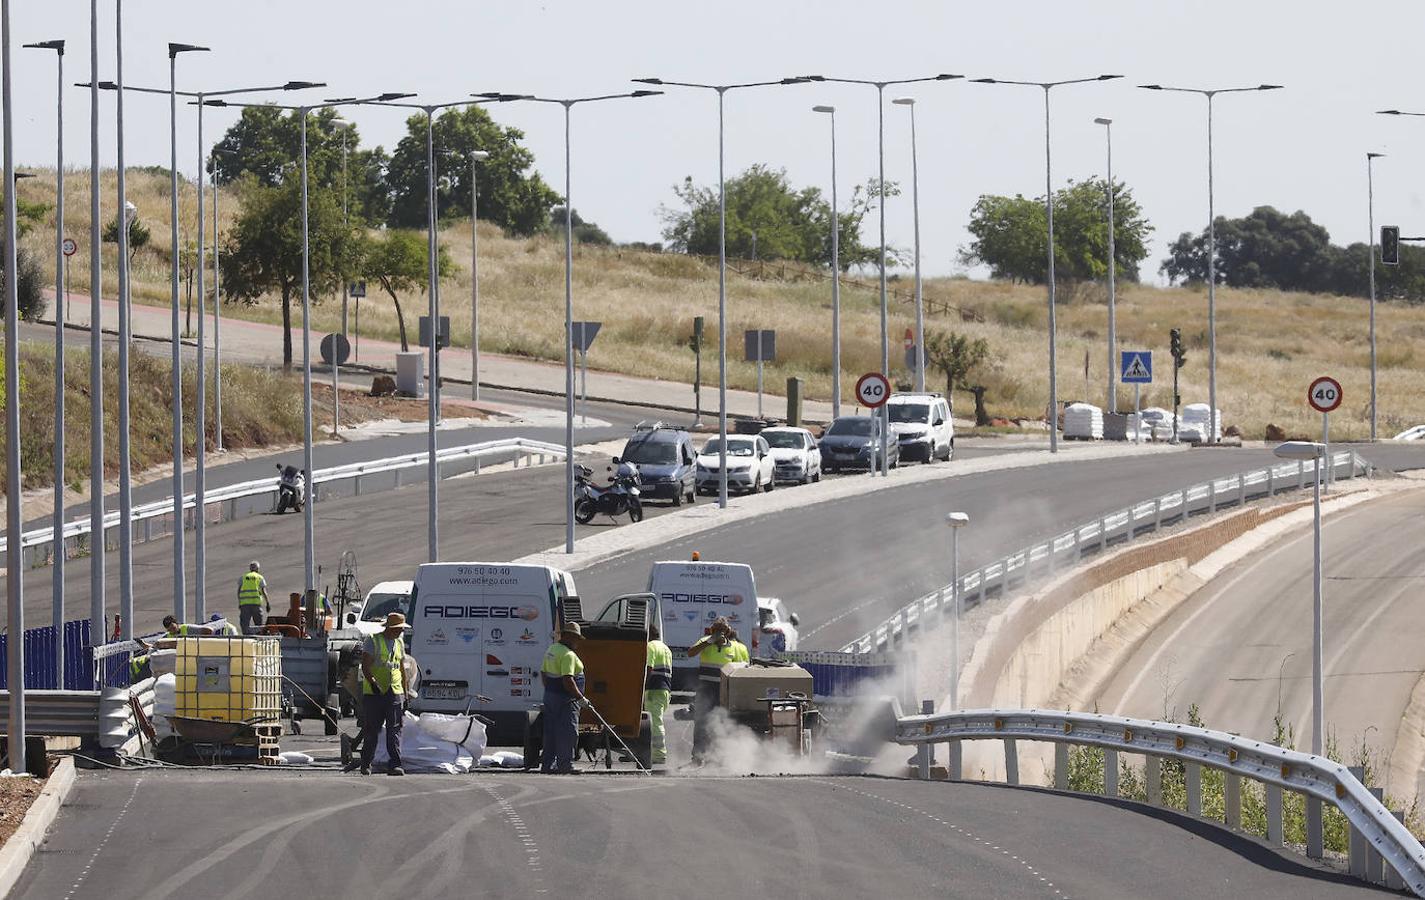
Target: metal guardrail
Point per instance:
(62, 713)
(1018, 568)
(1276, 767)
(523, 447)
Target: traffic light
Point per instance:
(1390, 245)
(1175, 341)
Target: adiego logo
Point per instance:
(724, 599)
(442, 611)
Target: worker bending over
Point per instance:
(178, 629)
(657, 686)
(383, 691)
(713, 650)
(563, 678)
(252, 598)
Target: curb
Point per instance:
(16, 853)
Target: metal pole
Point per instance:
(1138, 413)
(474, 286)
(1211, 291)
(217, 324)
(568, 340)
(346, 223)
(759, 373)
(1371, 219)
(60, 266)
(721, 313)
(883, 412)
(13, 519)
(308, 511)
(835, 284)
(126, 495)
(1318, 685)
(1326, 445)
(97, 544)
(200, 408)
(179, 589)
(433, 409)
(1112, 405)
(919, 294)
(955, 619)
(583, 387)
(1053, 348)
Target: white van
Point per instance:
(922, 426)
(480, 630)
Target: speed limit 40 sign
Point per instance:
(1324, 395)
(873, 390)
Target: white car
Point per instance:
(921, 425)
(749, 465)
(1417, 433)
(795, 455)
(369, 616)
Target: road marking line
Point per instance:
(84, 873)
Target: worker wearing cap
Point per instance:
(383, 691)
(657, 687)
(713, 650)
(252, 598)
(221, 626)
(563, 676)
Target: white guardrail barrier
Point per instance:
(1016, 569)
(1375, 829)
(520, 447)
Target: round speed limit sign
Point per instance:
(873, 390)
(69, 247)
(1324, 395)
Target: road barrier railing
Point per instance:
(1066, 549)
(161, 511)
(1375, 829)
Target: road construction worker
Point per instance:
(712, 651)
(177, 629)
(657, 686)
(563, 676)
(383, 692)
(252, 598)
(221, 626)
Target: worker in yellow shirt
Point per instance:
(657, 687)
(563, 676)
(713, 650)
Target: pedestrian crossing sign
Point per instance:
(1136, 367)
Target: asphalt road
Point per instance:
(277, 835)
(1240, 648)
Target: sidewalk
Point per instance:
(259, 343)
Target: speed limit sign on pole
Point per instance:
(872, 390)
(1324, 395)
(69, 247)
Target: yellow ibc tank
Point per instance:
(228, 679)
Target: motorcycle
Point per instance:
(291, 489)
(620, 496)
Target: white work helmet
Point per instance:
(254, 566)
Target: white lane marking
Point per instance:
(1030, 868)
(531, 848)
(84, 873)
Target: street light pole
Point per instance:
(60, 297)
(126, 493)
(835, 274)
(97, 535)
(1371, 213)
(476, 156)
(956, 521)
(721, 90)
(909, 102)
(1214, 425)
(1112, 403)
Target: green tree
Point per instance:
(399, 260)
(584, 232)
(1010, 234)
(264, 247)
(1265, 249)
(29, 286)
(954, 355)
(511, 195)
(138, 235)
(790, 223)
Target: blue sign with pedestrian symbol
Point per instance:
(1136, 367)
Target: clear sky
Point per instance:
(1299, 148)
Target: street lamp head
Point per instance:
(57, 46)
(984, 81)
(213, 102)
(388, 97)
(799, 79)
(491, 95)
(1108, 77)
(1102, 121)
(302, 85)
(1370, 155)
(957, 519)
(648, 80)
(646, 94)
(1388, 112)
(19, 175)
(1269, 87)
(175, 49)
(1300, 450)
(946, 77)
(823, 109)
(107, 86)
(1151, 87)
(904, 101)
(479, 155)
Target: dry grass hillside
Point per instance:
(1270, 344)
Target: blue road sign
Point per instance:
(1135, 366)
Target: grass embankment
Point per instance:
(1270, 344)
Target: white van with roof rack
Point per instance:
(922, 426)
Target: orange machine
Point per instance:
(615, 655)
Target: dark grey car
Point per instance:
(664, 455)
(854, 442)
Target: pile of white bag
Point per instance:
(435, 742)
(1083, 420)
(1194, 426)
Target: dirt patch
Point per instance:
(16, 795)
(358, 406)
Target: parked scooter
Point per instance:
(291, 489)
(620, 496)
